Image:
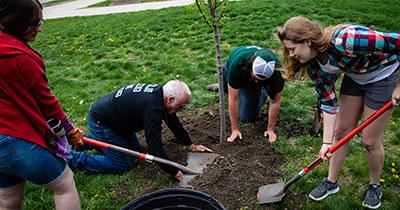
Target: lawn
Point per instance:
(87, 57)
(54, 2)
(110, 2)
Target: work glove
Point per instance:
(75, 138)
(179, 176)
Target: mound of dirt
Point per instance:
(242, 168)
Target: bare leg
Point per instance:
(11, 198)
(372, 136)
(65, 194)
(350, 112)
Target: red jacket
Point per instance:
(26, 101)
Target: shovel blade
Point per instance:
(198, 162)
(271, 193)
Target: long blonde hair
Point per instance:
(299, 29)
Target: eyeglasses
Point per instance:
(39, 24)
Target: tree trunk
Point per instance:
(219, 71)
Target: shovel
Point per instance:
(142, 156)
(198, 162)
(275, 192)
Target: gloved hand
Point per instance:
(75, 138)
(179, 176)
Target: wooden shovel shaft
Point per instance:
(142, 156)
(350, 135)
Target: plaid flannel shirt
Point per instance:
(353, 49)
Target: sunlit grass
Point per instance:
(87, 57)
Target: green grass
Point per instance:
(87, 57)
(102, 4)
(110, 2)
(54, 2)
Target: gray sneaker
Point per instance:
(373, 197)
(323, 190)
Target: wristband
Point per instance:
(68, 127)
(326, 143)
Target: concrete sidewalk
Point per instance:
(77, 8)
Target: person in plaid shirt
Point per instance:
(370, 61)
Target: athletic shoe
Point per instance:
(323, 190)
(373, 196)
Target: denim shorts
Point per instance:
(22, 160)
(375, 94)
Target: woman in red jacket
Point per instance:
(29, 149)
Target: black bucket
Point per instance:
(175, 199)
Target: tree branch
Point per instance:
(202, 13)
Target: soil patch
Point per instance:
(234, 178)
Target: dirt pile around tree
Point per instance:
(234, 178)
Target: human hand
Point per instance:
(235, 133)
(75, 138)
(271, 136)
(396, 96)
(179, 176)
(199, 148)
(323, 152)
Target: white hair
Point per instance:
(177, 89)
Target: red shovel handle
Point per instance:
(350, 135)
(104, 145)
(96, 143)
(139, 155)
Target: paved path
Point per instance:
(77, 8)
(45, 1)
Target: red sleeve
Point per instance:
(35, 79)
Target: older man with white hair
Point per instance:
(116, 117)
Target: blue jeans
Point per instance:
(251, 99)
(22, 160)
(110, 161)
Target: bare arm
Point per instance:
(233, 98)
(273, 114)
(329, 127)
(274, 109)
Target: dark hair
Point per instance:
(16, 16)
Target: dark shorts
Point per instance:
(375, 94)
(22, 160)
